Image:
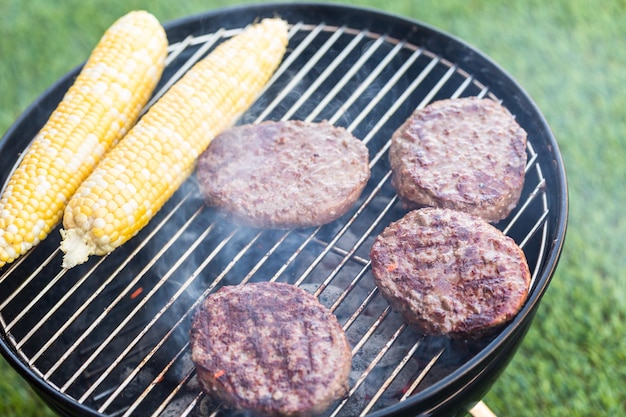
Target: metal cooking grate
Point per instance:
(112, 334)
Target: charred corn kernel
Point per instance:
(159, 153)
(103, 103)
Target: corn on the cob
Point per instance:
(99, 108)
(142, 172)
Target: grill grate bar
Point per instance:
(174, 51)
(338, 236)
(188, 64)
(350, 74)
(538, 192)
(168, 399)
(131, 315)
(34, 301)
(157, 380)
(464, 85)
(51, 312)
(387, 383)
(71, 320)
(148, 325)
(401, 100)
(297, 252)
(299, 76)
(335, 249)
(110, 307)
(541, 221)
(411, 389)
(93, 296)
(167, 305)
(349, 288)
(375, 361)
(358, 277)
(373, 327)
(531, 161)
(27, 281)
(67, 324)
(187, 411)
(266, 257)
(199, 300)
(324, 76)
(393, 80)
(355, 246)
(540, 188)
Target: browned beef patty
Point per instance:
(284, 174)
(450, 273)
(270, 349)
(467, 154)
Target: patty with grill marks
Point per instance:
(270, 349)
(284, 174)
(467, 154)
(450, 273)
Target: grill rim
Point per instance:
(447, 389)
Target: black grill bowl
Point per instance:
(369, 70)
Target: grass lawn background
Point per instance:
(570, 55)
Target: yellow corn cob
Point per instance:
(142, 172)
(97, 110)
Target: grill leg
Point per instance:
(481, 410)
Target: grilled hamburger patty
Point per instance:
(284, 174)
(270, 349)
(467, 154)
(449, 272)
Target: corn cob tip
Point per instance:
(76, 247)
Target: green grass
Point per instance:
(570, 55)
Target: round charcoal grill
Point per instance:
(110, 337)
